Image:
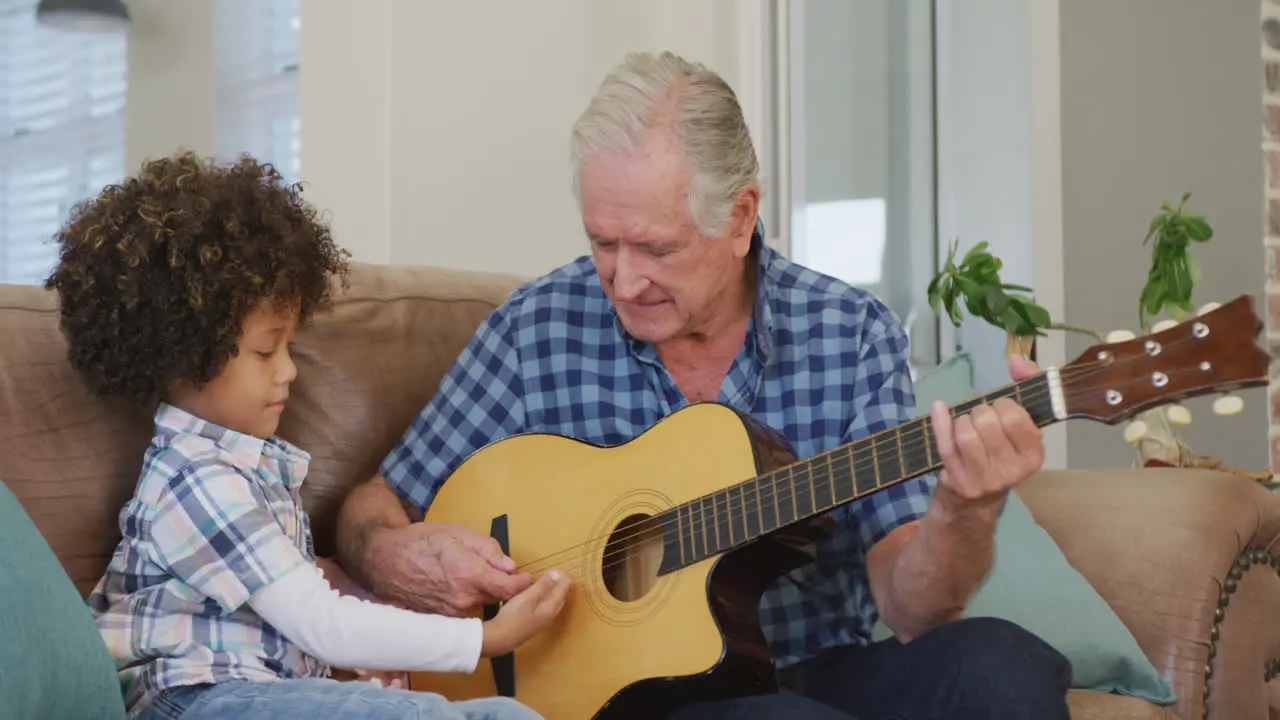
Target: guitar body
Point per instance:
(630, 642)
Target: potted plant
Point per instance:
(1174, 272)
(975, 285)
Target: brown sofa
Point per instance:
(1190, 560)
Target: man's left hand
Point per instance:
(987, 451)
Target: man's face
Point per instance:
(663, 278)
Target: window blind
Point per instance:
(257, 69)
(62, 98)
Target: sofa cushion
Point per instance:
(366, 368)
(1094, 705)
(1033, 585)
(71, 458)
(53, 663)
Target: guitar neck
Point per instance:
(727, 518)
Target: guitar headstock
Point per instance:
(1210, 353)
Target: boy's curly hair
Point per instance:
(156, 275)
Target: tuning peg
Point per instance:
(1135, 431)
(1208, 308)
(1228, 405)
(1163, 325)
(1116, 336)
(1178, 415)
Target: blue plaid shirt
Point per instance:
(216, 516)
(823, 363)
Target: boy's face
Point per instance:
(249, 396)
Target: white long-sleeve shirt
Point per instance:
(346, 631)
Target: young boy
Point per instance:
(182, 288)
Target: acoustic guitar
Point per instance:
(673, 536)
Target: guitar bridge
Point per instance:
(503, 666)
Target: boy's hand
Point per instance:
(526, 614)
(384, 678)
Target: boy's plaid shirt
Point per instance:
(216, 515)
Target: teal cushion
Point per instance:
(951, 382)
(1033, 585)
(53, 663)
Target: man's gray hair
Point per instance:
(666, 92)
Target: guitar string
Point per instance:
(782, 493)
(732, 516)
(1073, 373)
(586, 560)
(913, 440)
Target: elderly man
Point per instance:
(679, 302)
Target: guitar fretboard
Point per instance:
(714, 523)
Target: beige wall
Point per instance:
(1160, 98)
(172, 89)
(434, 132)
(437, 132)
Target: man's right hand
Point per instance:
(442, 569)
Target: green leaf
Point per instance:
(1193, 268)
(1014, 322)
(1197, 229)
(1155, 300)
(996, 302)
(973, 296)
(934, 291)
(953, 309)
(1038, 315)
(982, 266)
(1033, 316)
(1021, 288)
(1182, 289)
(974, 251)
(1151, 231)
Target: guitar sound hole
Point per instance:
(632, 557)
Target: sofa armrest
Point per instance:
(1190, 562)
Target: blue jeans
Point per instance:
(322, 699)
(973, 669)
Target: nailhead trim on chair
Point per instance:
(1247, 559)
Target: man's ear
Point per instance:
(744, 220)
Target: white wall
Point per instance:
(438, 134)
(172, 89)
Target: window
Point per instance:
(257, 61)
(851, 86)
(62, 98)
